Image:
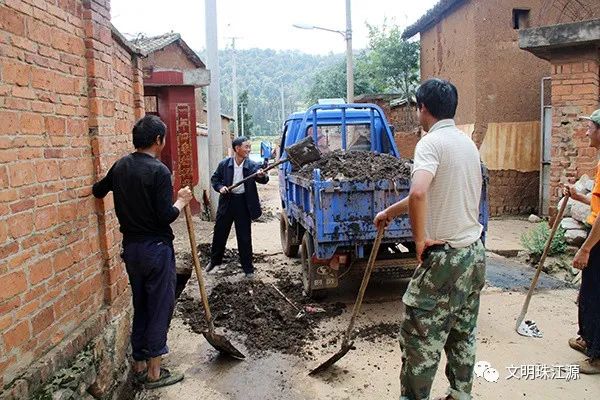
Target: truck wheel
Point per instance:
(306, 252)
(287, 237)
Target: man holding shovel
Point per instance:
(143, 194)
(587, 259)
(240, 205)
(442, 299)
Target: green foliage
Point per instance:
(393, 61)
(389, 65)
(245, 116)
(263, 73)
(535, 240)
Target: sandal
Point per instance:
(140, 377)
(165, 378)
(578, 344)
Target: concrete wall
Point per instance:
(69, 94)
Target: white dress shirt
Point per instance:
(238, 175)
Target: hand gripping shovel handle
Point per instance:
(534, 281)
(363, 286)
(254, 175)
(192, 236)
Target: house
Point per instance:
(474, 44)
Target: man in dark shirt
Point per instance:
(143, 193)
(240, 206)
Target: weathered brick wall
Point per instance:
(575, 92)
(67, 96)
(513, 192)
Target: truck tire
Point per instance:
(306, 252)
(288, 236)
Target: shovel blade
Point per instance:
(223, 345)
(530, 329)
(332, 360)
(303, 152)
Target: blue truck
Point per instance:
(330, 221)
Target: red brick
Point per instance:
(45, 217)
(5, 322)
(22, 205)
(23, 92)
(8, 249)
(42, 320)
(32, 123)
(20, 224)
(42, 78)
(63, 260)
(17, 73)
(47, 170)
(39, 32)
(3, 232)
(12, 284)
(53, 153)
(20, 174)
(28, 153)
(9, 122)
(17, 336)
(27, 310)
(40, 271)
(42, 107)
(11, 21)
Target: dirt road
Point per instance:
(371, 371)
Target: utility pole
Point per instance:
(349, 63)
(215, 141)
(234, 89)
(242, 121)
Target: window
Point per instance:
(329, 137)
(520, 18)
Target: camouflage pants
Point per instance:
(442, 303)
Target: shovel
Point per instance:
(219, 342)
(299, 154)
(527, 327)
(348, 341)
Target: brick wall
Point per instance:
(513, 192)
(575, 92)
(68, 97)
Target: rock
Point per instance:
(63, 394)
(534, 219)
(583, 183)
(570, 223)
(579, 210)
(575, 237)
(568, 208)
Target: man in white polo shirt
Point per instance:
(442, 299)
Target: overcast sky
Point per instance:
(265, 23)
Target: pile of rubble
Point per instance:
(576, 214)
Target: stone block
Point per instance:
(570, 223)
(575, 237)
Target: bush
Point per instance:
(535, 240)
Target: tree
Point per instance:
(244, 115)
(393, 61)
(331, 82)
(389, 65)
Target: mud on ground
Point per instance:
(256, 310)
(358, 165)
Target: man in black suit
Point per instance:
(240, 206)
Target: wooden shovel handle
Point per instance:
(364, 284)
(542, 259)
(254, 175)
(197, 268)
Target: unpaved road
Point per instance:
(371, 371)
